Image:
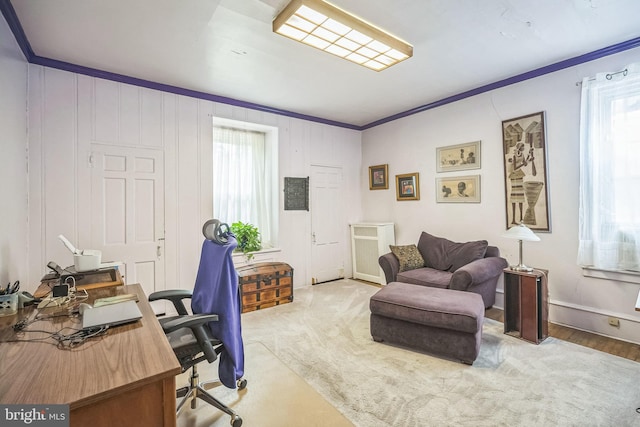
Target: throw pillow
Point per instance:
(408, 256)
(464, 253)
(445, 255)
(434, 250)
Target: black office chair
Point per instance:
(192, 342)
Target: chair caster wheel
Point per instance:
(236, 421)
(241, 383)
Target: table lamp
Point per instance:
(521, 232)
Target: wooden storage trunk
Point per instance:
(265, 284)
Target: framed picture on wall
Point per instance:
(408, 186)
(458, 157)
(379, 177)
(458, 189)
(525, 172)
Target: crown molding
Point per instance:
(14, 24)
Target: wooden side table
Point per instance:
(526, 305)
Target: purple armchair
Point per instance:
(471, 266)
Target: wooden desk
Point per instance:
(125, 378)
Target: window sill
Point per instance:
(619, 276)
(261, 251)
(263, 255)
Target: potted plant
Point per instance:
(248, 238)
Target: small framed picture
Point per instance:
(379, 177)
(408, 186)
(458, 157)
(458, 189)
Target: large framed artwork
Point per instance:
(458, 189)
(408, 186)
(525, 172)
(379, 177)
(458, 157)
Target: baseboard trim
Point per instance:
(593, 310)
(588, 319)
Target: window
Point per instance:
(245, 177)
(610, 171)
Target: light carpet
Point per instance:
(274, 397)
(323, 336)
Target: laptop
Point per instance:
(111, 315)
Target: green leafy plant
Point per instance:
(248, 238)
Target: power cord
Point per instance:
(79, 337)
(63, 341)
(53, 302)
(20, 325)
(78, 296)
(73, 295)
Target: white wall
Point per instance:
(69, 112)
(409, 145)
(62, 105)
(13, 160)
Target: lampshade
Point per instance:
(326, 27)
(521, 232)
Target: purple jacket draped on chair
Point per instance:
(216, 292)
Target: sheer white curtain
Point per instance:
(240, 187)
(610, 171)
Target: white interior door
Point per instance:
(128, 211)
(327, 223)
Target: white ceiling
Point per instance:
(227, 48)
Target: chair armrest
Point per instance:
(175, 296)
(390, 265)
(190, 322)
(478, 271)
(197, 323)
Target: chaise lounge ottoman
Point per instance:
(444, 322)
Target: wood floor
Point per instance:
(597, 342)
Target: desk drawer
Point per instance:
(265, 284)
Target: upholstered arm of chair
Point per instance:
(390, 265)
(176, 296)
(476, 272)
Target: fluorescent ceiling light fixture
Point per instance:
(333, 30)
